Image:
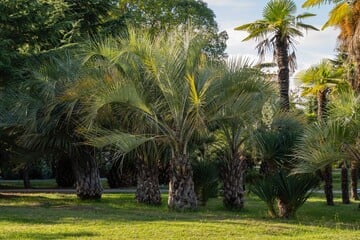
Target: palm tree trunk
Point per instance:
(328, 187)
(181, 187)
(282, 58)
(354, 173)
(147, 190)
(322, 104)
(233, 176)
(88, 185)
(345, 184)
(354, 45)
(26, 177)
(285, 210)
(64, 174)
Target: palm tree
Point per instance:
(235, 123)
(52, 108)
(167, 82)
(277, 31)
(319, 80)
(326, 143)
(345, 16)
(346, 106)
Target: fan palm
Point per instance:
(319, 80)
(346, 106)
(277, 31)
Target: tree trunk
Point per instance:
(26, 178)
(181, 187)
(328, 187)
(282, 58)
(354, 173)
(88, 185)
(233, 176)
(285, 210)
(147, 190)
(64, 174)
(345, 184)
(354, 44)
(322, 104)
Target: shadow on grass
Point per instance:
(49, 209)
(50, 236)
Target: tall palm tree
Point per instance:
(319, 80)
(345, 15)
(276, 32)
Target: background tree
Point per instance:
(165, 16)
(277, 32)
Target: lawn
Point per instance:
(117, 216)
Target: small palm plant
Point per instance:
(289, 192)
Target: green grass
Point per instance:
(117, 216)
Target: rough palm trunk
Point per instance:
(354, 45)
(282, 58)
(233, 175)
(181, 187)
(147, 190)
(328, 187)
(88, 185)
(354, 173)
(322, 104)
(345, 185)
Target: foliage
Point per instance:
(291, 191)
(163, 16)
(205, 179)
(276, 32)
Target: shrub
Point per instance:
(289, 192)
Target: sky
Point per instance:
(310, 49)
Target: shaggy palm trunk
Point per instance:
(233, 175)
(354, 173)
(328, 187)
(282, 58)
(354, 44)
(88, 185)
(181, 187)
(345, 184)
(322, 104)
(147, 190)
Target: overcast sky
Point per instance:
(311, 48)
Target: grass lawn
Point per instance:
(117, 216)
